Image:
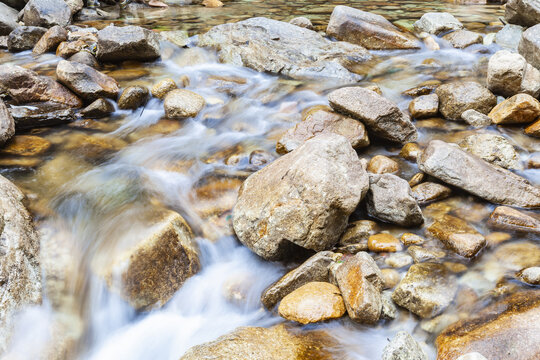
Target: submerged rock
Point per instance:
(303, 198)
(492, 148)
(403, 347)
(46, 13)
(182, 103)
(457, 235)
(436, 23)
(504, 217)
(26, 145)
(85, 81)
(50, 40)
(130, 42)
(457, 97)
(24, 38)
(529, 46)
(522, 12)
(519, 109)
(7, 124)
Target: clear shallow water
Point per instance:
(91, 202)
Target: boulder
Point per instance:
(8, 19)
(116, 44)
(460, 39)
(25, 86)
(507, 218)
(19, 259)
(46, 13)
(475, 118)
(519, 109)
(313, 269)
(380, 164)
(507, 329)
(454, 166)
(509, 74)
(380, 115)
(319, 121)
(133, 97)
(522, 12)
(457, 235)
(424, 106)
(390, 199)
(24, 38)
(41, 115)
(50, 40)
(281, 48)
(98, 109)
(7, 124)
(529, 45)
(304, 198)
(163, 87)
(313, 302)
(426, 290)
(182, 103)
(492, 148)
(403, 347)
(457, 97)
(436, 23)
(427, 192)
(368, 30)
(85, 81)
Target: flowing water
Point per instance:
(94, 191)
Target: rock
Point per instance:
(427, 192)
(212, 3)
(380, 164)
(423, 89)
(519, 109)
(380, 115)
(398, 260)
(116, 44)
(450, 164)
(177, 37)
(507, 329)
(533, 129)
(277, 47)
(314, 269)
(320, 121)
(302, 22)
(19, 259)
(41, 115)
(522, 12)
(457, 97)
(304, 198)
(492, 148)
(383, 243)
(50, 40)
(26, 145)
(436, 23)
(313, 302)
(4, 42)
(420, 254)
(181, 103)
(75, 5)
(85, 81)
(475, 118)
(504, 217)
(163, 87)
(161, 259)
(390, 199)
(24, 38)
(457, 235)
(530, 275)
(98, 109)
(411, 239)
(388, 308)
(358, 233)
(424, 106)
(369, 30)
(426, 290)
(255, 343)
(360, 281)
(68, 49)
(8, 19)
(529, 45)
(509, 73)
(516, 256)
(410, 151)
(460, 39)
(84, 57)
(7, 124)
(133, 97)
(46, 13)
(391, 278)
(403, 347)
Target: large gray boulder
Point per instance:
(509, 74)
(372, 31)
(277, 47)
(529, 46)
(46, 13)
(8, 19)
(7, 124)
(523, 12)
(86, 81)
(437, 22)
(381, 116)
(116, 44)
(457, 97)
(454, 166)
(303, 198)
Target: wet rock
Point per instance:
(410, 151)
(390, 199)
(116, 44)
(403, 347)
(516, 256)
(383, 242)
(460, 39)
(398, 260)
(380, 164)
(255, 343)
(427, 192)
(8, 19)
(50, 40)
(7, 124)
(436, 23)
(320, 121)
(475, 118)
(26, 145)
(212, 3)
(380, 115)
(450, 164)
(509, 74)
(411, 239)
(133, 97)
(388, 308)
(522, 12)
(24, 38)
(533, 130)
(181, 103)
(424, 106)
(519, 109)
(85, 81)
(426, 290)
(457, 97)
(420, 90)
(304, 198)
(369, 30)
(420, 254)
(313, 302)
(277, 47)
(19, 259)
(41, 114)
(313, 269)
(492, 148)
(302, 22)
(98, 109)
(67, 49)
(530, 275)
(162, 88)
(509, 36)
(46, 13)
(94, 147)
(504, 217)
(529, 45)
(360, 281)
(358, 233)
(511, 322)
(457, 235)
(84, 57)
